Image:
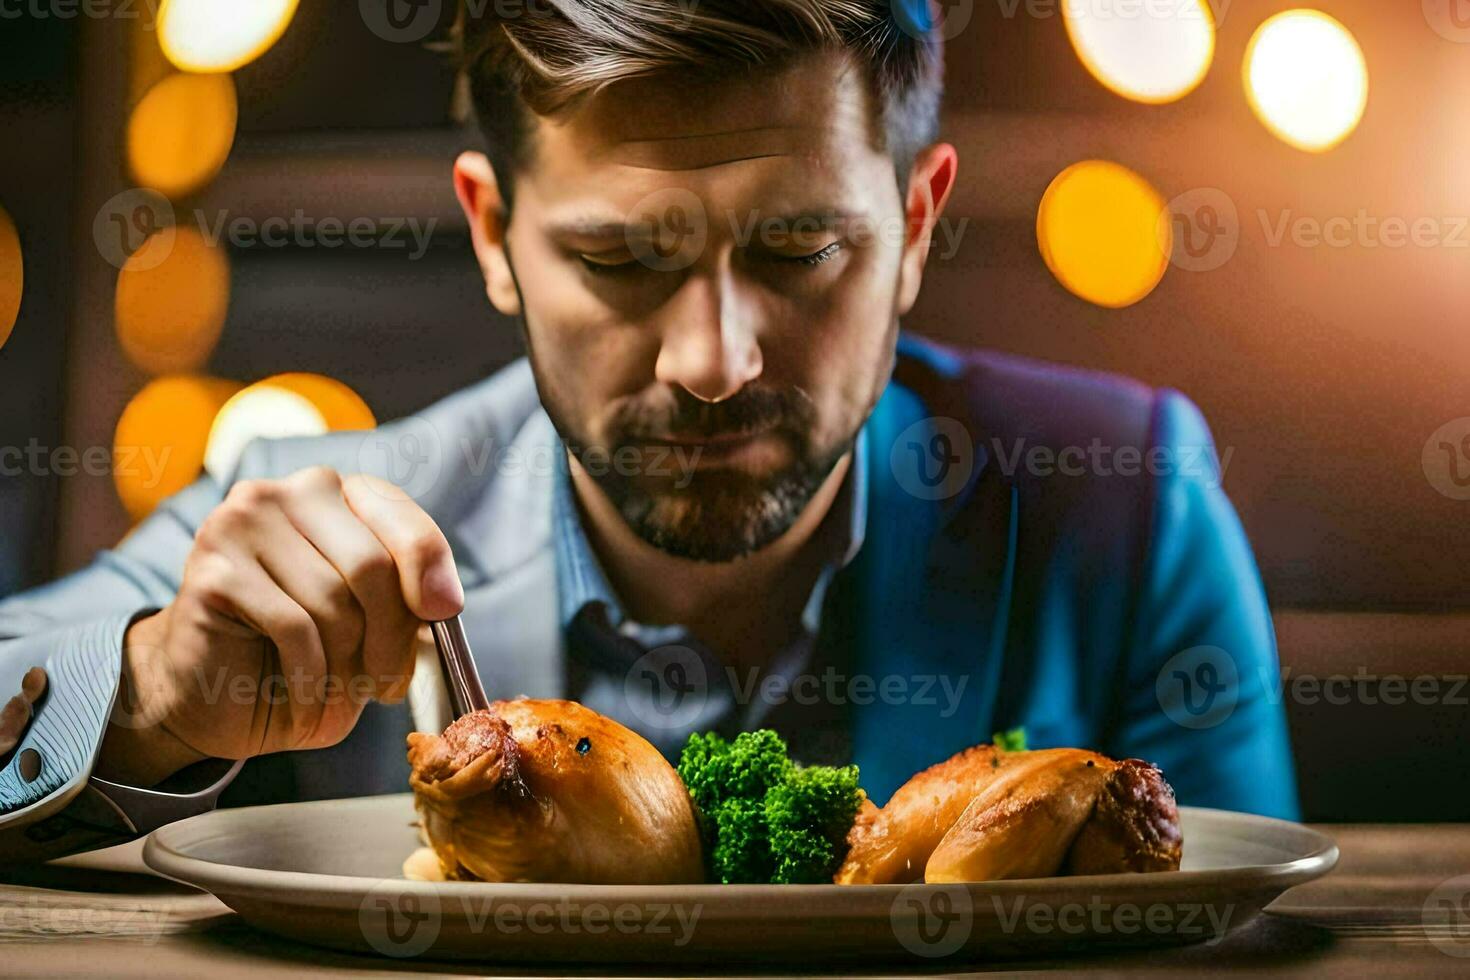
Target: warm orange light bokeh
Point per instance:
(1158, 54)
(220, 35)
(283, 406)
(1306, 79)
(341, 407)
(170, 307)
(158, 447)
(181, 132)
(12, 276)
(1098, 229)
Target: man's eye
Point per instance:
(815, 258)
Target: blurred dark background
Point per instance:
(1324, 370)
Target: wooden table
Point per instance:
(102, 915)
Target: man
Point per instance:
(722, 491)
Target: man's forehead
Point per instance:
(658, 123)
(700, 151)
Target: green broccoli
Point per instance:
(1010, 741)
(740, 848)
(809, 814)
(763, 818)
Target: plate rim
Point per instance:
(239, 880)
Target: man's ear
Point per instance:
(930, 182)
(479, 196)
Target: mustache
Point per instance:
(753, 409)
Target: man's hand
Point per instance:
(15, 717)
(301, 601)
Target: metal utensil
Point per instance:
(466, 693)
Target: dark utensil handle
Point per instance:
(466, 693)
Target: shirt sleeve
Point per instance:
(49, 804)
(1202, 696)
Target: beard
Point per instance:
(714, 514)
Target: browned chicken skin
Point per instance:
(892, 845)
(1133, 827)
(552, 791)
(987, 814)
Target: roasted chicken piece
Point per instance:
(551, 791)
(988, 814)
(892, 844)
(1133, 827)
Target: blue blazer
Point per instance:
(1078, 565)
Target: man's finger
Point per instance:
(33, 685)
(426, 571)
(322, 516)
(14, 718)
(254, 597)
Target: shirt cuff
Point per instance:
(57, 754)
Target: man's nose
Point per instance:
(710, 345)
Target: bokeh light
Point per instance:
(341, 407)
(297, 404)
(1306, 79)
(259, 412)
(180, 133)
(1099, 232)
(1158, 52)
(12, 276)
(170, 307)
(158, 447)
(220, 35)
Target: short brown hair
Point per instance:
(546, 55)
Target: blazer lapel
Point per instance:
(928, 598)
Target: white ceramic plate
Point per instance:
(329, 873)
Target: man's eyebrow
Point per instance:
(591, 227)
(739, 222)
(825, 219)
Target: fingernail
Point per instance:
(33, 684)
(443, 593)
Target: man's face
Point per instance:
(709, 273)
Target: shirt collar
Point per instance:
(580, 579)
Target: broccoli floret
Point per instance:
(763, 818)
(809, 814)
(758, 761)
(742, 845)
(704, 766)
(1010, 741)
